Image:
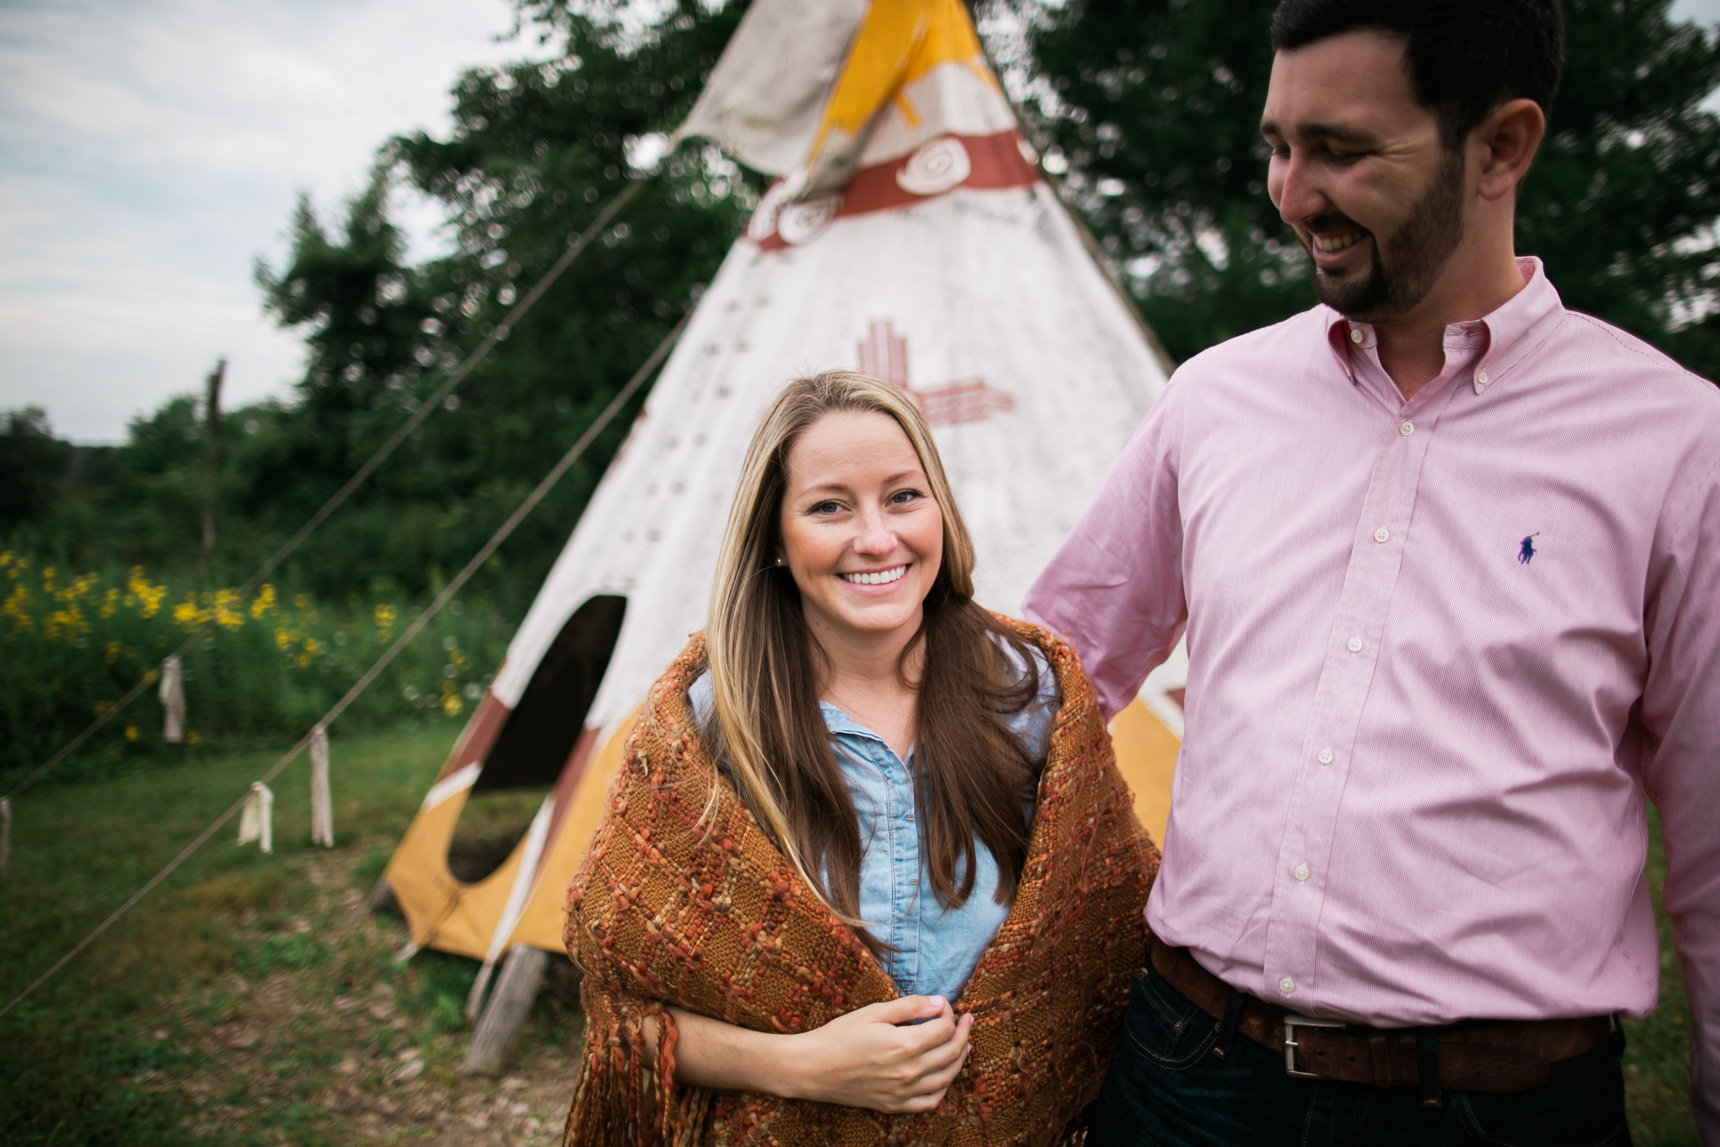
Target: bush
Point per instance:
(267, 668)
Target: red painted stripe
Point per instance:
(997, 163)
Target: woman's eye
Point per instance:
(827, 508)
(903, 497)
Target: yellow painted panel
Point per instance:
(1147, 758)
(441, 912)
(540, 924)
(899, 41)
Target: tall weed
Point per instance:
(71, 644)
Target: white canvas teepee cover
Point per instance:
(909, 236)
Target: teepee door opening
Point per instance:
(539, 743)
(542, 731)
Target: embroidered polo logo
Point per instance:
(1526, 551)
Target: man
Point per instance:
(1448, 559)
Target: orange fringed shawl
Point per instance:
(681, 901)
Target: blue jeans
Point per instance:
(1167, 1087)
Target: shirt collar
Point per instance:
(1508, 333)
(840, 723)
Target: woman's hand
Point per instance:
(876, 1057)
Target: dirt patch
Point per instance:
(320, 1035)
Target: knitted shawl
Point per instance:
(682, 899)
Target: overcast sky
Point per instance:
(150, 149)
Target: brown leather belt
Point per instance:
(1487, 1056)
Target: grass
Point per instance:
(1657, 1052)
(252, 1000)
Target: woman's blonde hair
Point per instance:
(765, 666)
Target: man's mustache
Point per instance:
(1333, 221)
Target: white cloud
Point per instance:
(149, 152)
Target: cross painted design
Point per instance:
(884, 353)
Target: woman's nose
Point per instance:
(875, 536)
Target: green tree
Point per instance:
(1153, 105)
(538, 148)
(32, 462)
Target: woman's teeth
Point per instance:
(882, 577)
(1330, 243)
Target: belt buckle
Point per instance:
(1291, 1023)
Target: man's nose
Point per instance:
(1297, 190)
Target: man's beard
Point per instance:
(1407, 264)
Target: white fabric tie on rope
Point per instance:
(173, 700)
(256, 819)
(322, 807)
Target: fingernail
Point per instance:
(936, 1001)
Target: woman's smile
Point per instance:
(870, 578)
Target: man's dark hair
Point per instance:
(1465, 57)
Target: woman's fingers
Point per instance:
(931, 1090)
(935, 1067)
(904, 1009)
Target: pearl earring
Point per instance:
(779, 561)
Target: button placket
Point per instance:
(1339, 698)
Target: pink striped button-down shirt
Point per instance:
(1438, 651)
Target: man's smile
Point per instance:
(1338, 242)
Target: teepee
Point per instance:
(908, 234)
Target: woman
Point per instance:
(868, 873)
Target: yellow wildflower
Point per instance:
(187, 614)
(69, 623)
(300, 601)
(311, 647)
(148, 596)
(111, 652)
(17, 608)
(385, 616)
(192, 738)
(265, 600)
(304, 661)
(110, 602)
(225, 615)
(48, 579)
(283, 638)
(131, 732)
(451, 705)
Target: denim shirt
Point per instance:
(932, 948)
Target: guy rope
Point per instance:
(418, 623)
(576, 245)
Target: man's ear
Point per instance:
(1506, 142)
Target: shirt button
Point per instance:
(1325, 756)
(1355, 335)
(1301, 872)
(1355, 644)
(1481, 378)
(1406, 428)
(1382, 535)
(1286, 985)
